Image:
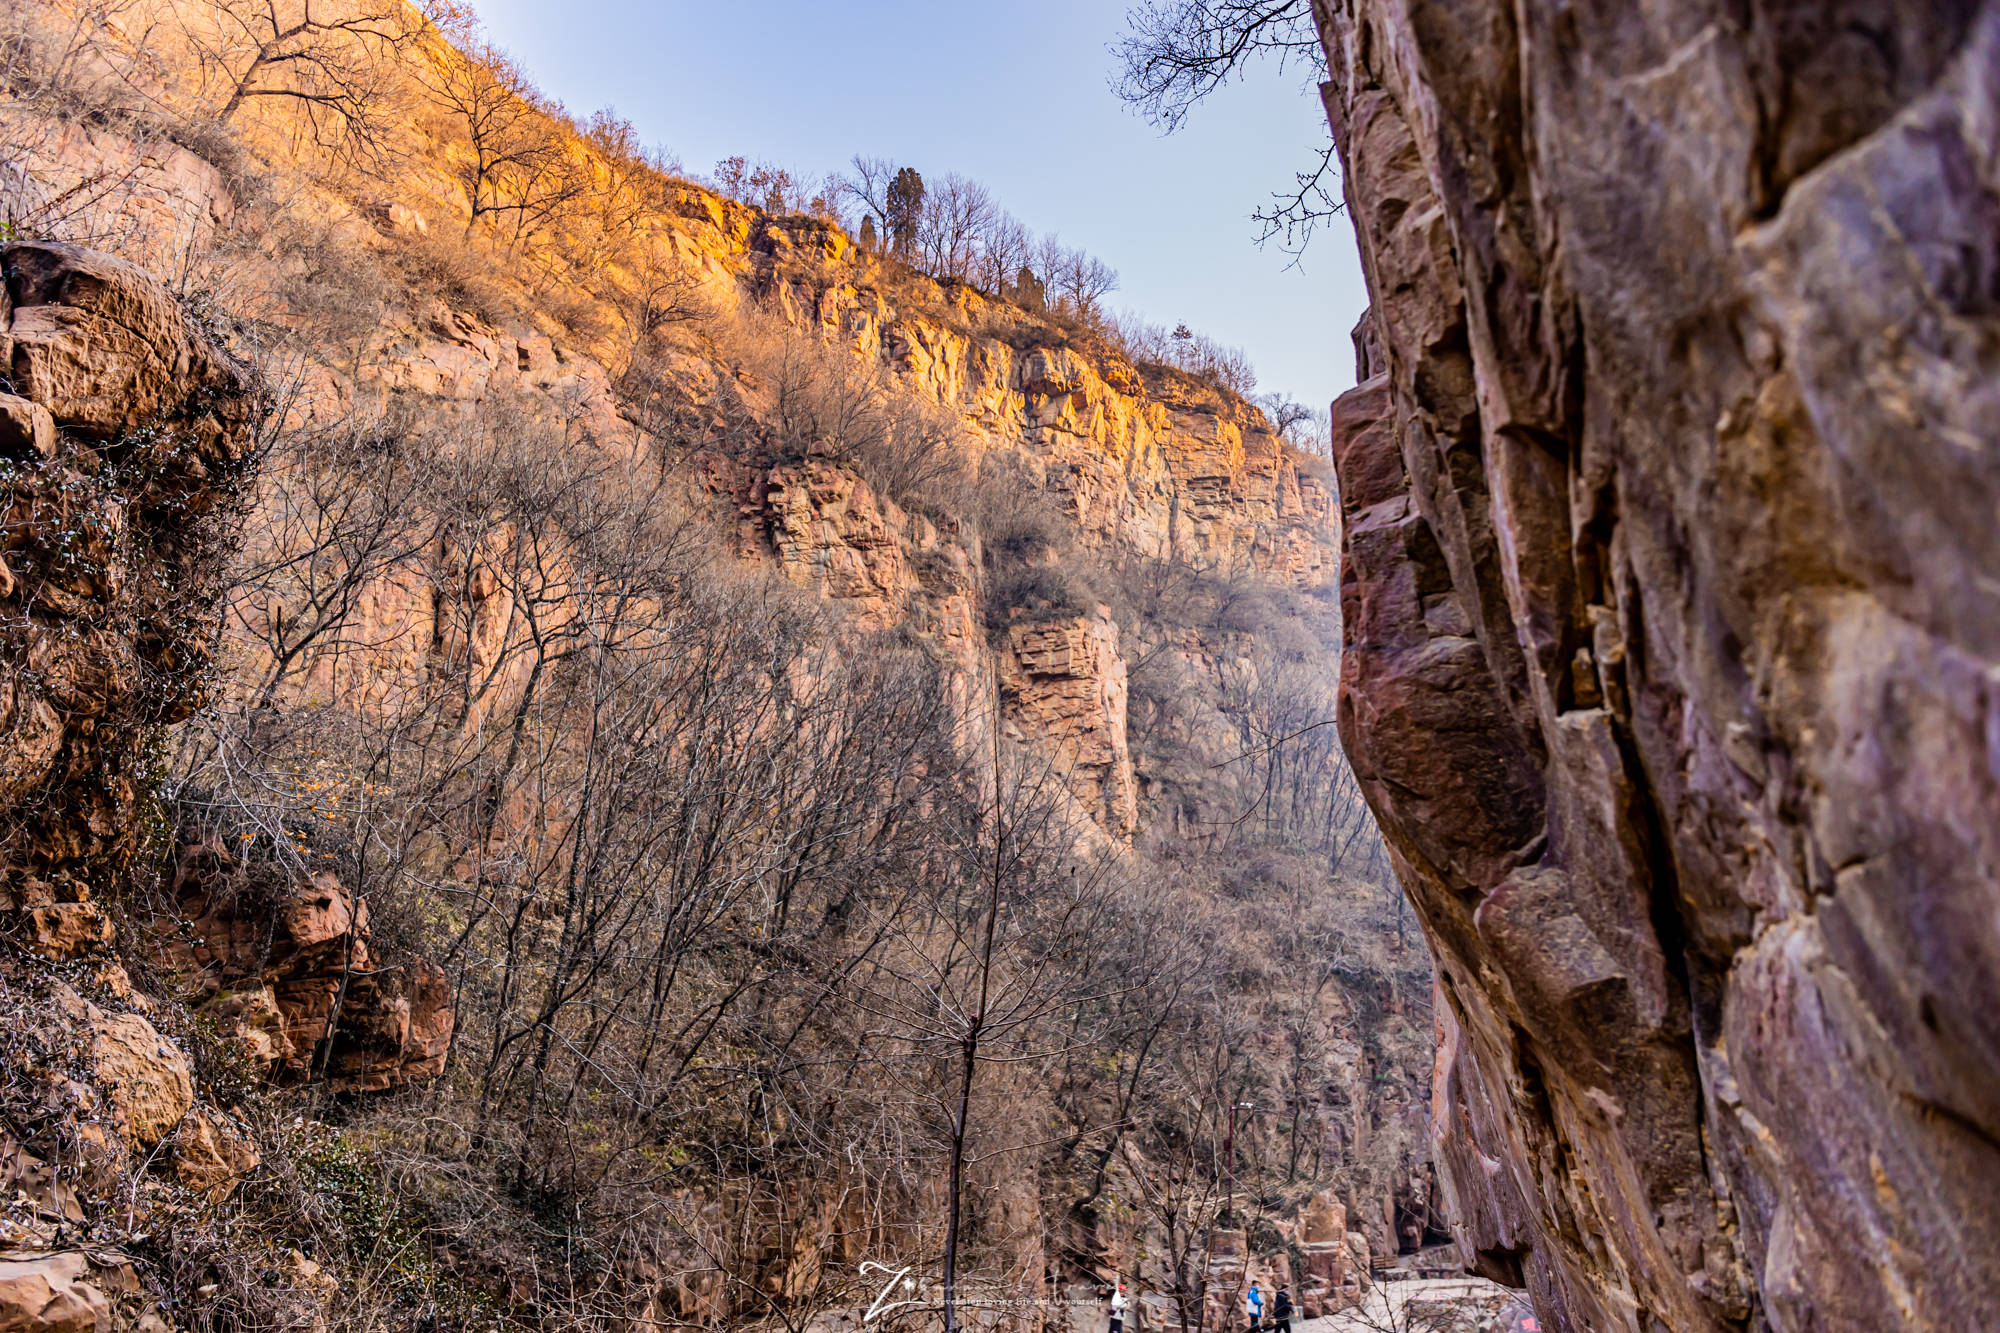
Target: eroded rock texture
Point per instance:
(123, 429)
(284, 967)
(1673, 616)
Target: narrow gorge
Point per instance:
(598, 749)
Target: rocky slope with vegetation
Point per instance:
(1671, 636)
(717, 752)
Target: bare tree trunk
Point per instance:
(955, 1189)
(970, 1057)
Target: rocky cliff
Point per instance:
(122, 443)
(580, 502)
(1672, 636)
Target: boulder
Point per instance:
(295, 982)
(147, 1081)
(99, 343)
(395, 219)
(31, 736)
(27, 431)
(1324, 1220)
(66, 930)
(211, 1155)
(49, 1293)
(254, 1019)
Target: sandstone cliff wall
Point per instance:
(1672, 636)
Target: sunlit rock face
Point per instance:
(1063, 686)
(1672, 597)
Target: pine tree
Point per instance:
(906, 210)
(1029, 290)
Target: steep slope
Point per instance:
(670, 562)
(1671, 651)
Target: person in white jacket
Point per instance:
(1118, 1307)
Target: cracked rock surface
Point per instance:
(1672, 595)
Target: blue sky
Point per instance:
(1014, 94)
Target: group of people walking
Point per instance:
(1253, 1309)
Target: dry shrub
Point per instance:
(1039, 592)
(450, 270)
(1033, 563)
(827, 401)
(1182, 349)
(79, 140)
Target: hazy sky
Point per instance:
(1013, 94)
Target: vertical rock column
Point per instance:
(1063, 681)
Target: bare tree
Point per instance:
(664, 292)
(1184, 349)
(1181, 1196)
(517, 166)
(1078, 282)
(633, 179)
(997, 953)
(868, 184)
(957, 214)
(1177, 52)
(328, 62)
(346, 514)
(1005, 247)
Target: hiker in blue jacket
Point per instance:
(1253, 1305)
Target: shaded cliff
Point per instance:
(123, 442)
(1671, 637)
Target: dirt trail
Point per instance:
(1418, 1305)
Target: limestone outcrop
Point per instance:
(1673, 633)
(124, 437)
(1063, 689)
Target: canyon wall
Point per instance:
(1128, 562)
(1672, 597)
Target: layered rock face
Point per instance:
(1063, 686)
(285, 969)
(1673, 618)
